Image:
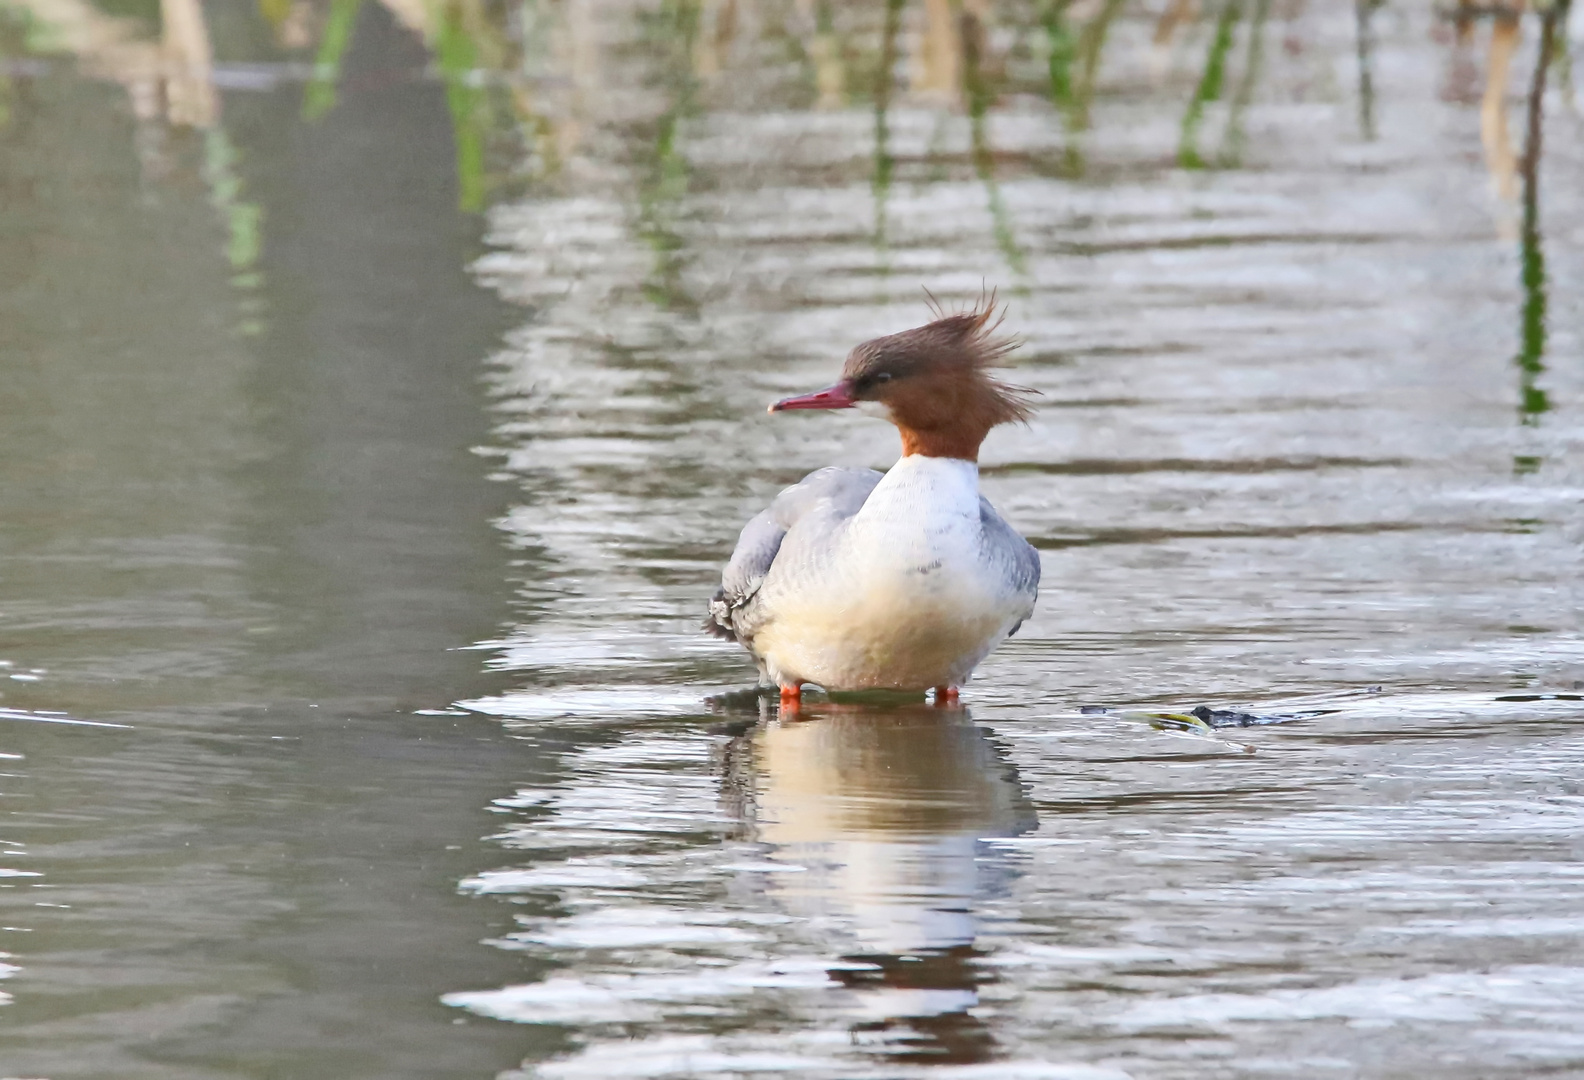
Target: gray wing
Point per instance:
(1016, 557)
(836, 492)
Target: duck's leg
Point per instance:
(791, 698)
(945, 695)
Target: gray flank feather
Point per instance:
(1023, 561)
(834, 492)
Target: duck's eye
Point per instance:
(882, 376)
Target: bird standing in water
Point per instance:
(857, 580)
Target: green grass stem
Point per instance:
(320, 95)
(1210, 82)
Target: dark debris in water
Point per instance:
(1219, 718)
(1204, 718)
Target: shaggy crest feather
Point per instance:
(962, 347)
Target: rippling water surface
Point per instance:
(372, 536)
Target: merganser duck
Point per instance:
(857, 580)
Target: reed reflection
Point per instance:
(887, 811)
(1532, 319)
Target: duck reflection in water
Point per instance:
(887, 811)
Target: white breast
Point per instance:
(903, 597)
(922, 519)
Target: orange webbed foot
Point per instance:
(791, 699)
(945, 695)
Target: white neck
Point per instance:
(925, 489)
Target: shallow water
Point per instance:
(382, 543)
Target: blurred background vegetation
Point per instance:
(529, 83)
(544, 95)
